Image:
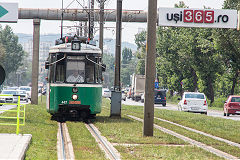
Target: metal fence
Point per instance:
(19, 116)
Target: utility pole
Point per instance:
(81, 29)
(101, 2)
(35, 61)
(91, 20)
(150, 69)
(116, 94)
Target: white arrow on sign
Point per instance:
(9, 12)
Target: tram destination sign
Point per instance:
(207, 18)
(9, 12)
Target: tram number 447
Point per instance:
(64, 102)
(201, 16)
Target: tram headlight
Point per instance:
(74, 89)
(74, 97)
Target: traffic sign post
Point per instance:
(9, 12)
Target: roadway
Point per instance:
(213, 113)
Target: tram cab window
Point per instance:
(60, 69)
(75, 71)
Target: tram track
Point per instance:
(64, 143)
(110, 152)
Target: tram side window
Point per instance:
(97, 71)
(60, 74)
(75, 71)
(51, 69)
(89, 72)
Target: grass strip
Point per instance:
(43, 130)
(224, 128)
(144, 152)
(201, 138)
(126, 130)
(84, 145)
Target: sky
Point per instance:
(129, 29)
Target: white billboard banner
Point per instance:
(207, 18)
(8, 12)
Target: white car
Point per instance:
(27, 89)
(193, 102)
(106, 93)
(12, 98)
(23, 96)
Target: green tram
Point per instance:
(74, 87)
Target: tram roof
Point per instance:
(66, 47)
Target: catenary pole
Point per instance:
(101, 24)
(150, 68)
(116, 94)
(35, 61)
(117, 83)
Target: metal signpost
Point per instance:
(9, 12)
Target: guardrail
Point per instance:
(20, 109)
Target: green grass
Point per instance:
(152, 152)
(84, 145)
(43, 130)
(227, 129)
(126, 130)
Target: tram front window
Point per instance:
(75, 71)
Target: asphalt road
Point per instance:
(213, 113)
(8, 107)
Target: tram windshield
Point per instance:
(75, 69)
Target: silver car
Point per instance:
(12, 98)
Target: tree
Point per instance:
(140, 40)
(109, 73)
(2, 54)
(14, 52)
(227, 41)
(126, 55)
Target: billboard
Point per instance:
(207, 18)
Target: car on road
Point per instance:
(142, 97)
(232, 105)
(124, 95)
(27, 89)
(160, 96)
(129, 93)
(12, 88)
(12, 98)
(193, 102)
(106, 93)
(23, 95)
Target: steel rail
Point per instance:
(62, 140)
(107, 148)
(202, 133)
(65, 149)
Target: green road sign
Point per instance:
(3, 11)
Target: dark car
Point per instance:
(232, 105)
(160, 96)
